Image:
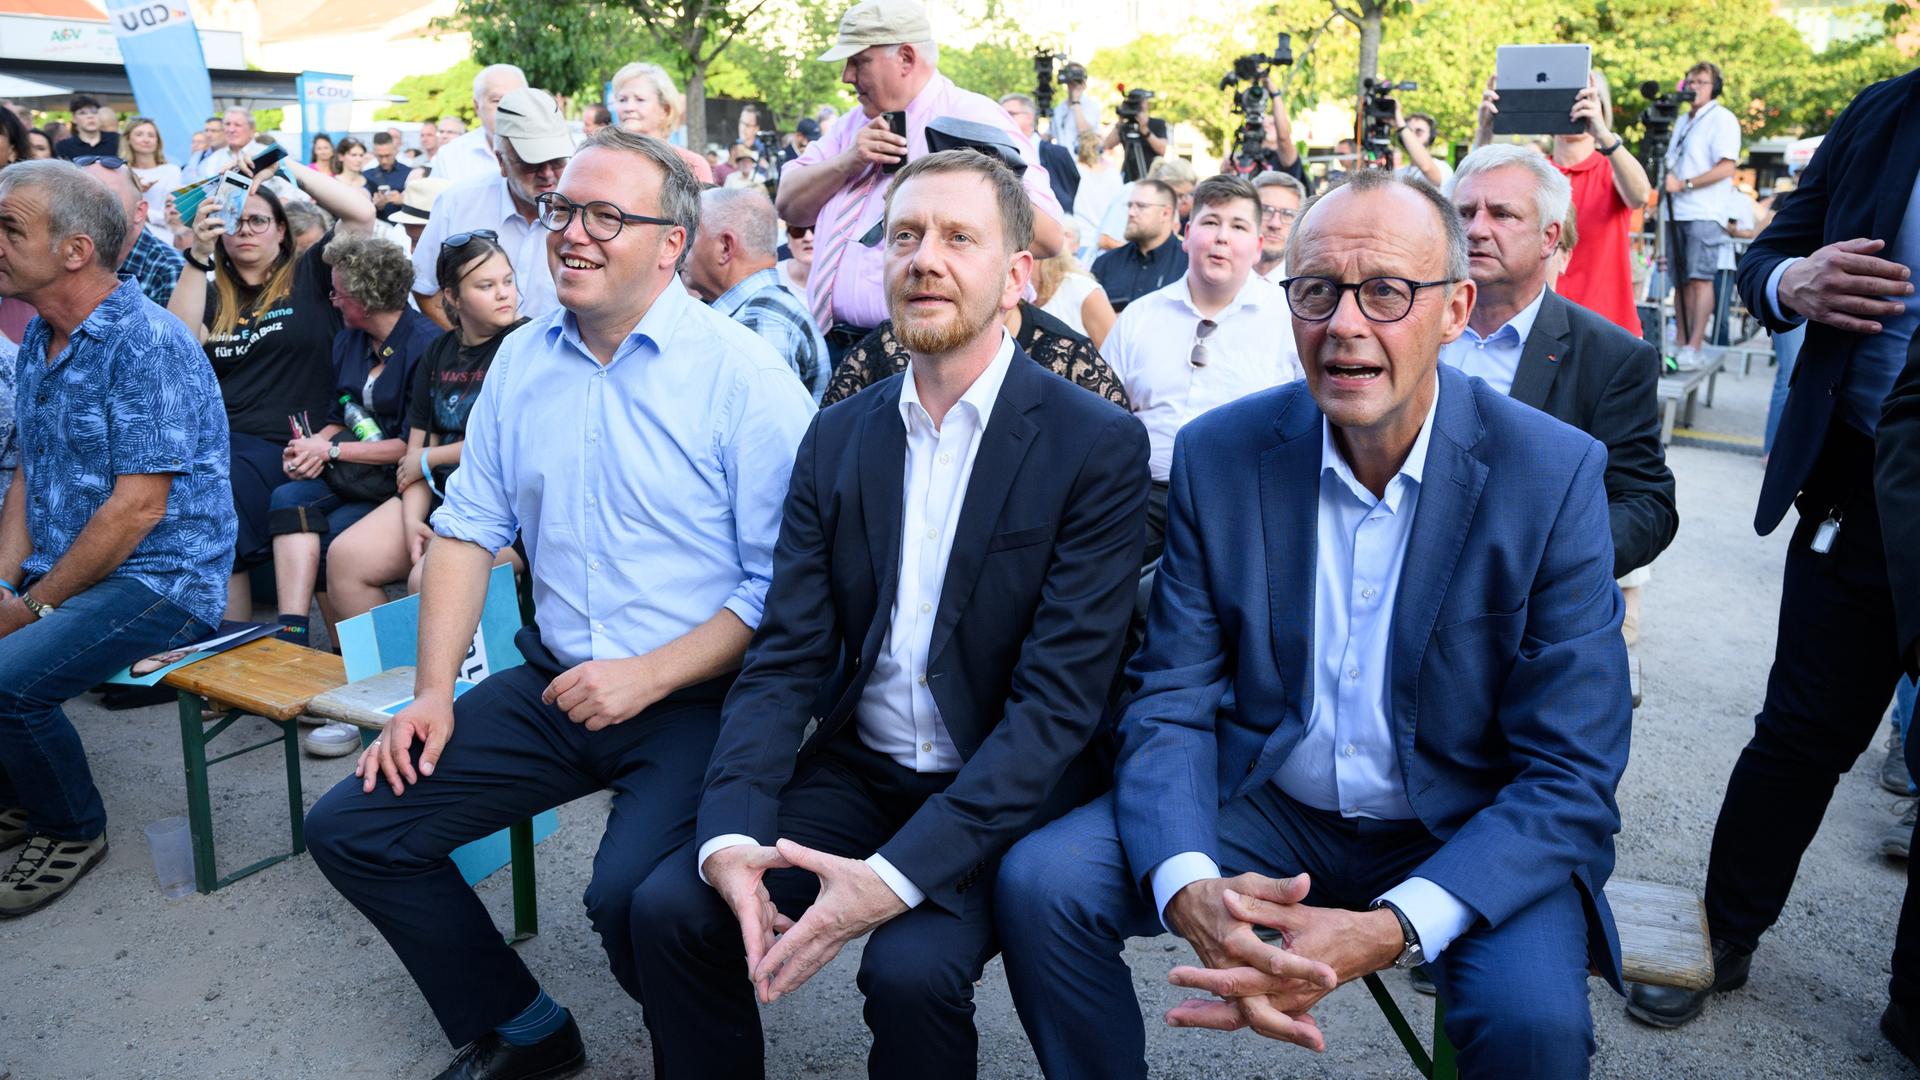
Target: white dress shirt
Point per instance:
(468, 156)
(1496, 357)
(485, 202)
(1151, 348)
(897, 715)
(1702, 139)
(1345, 763)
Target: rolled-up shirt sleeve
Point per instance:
(759, 432)
(479, 505)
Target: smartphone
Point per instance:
(269, 156)
(230, 199)
(896, 123)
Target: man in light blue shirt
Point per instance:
(639, 444)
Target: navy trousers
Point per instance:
(1516, 994)
(916, 971)
(512, 756)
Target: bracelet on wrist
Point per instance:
(205, 267)
(1609, 150)
(8, 585)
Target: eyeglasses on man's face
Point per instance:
(1278, 213)
(1381, 299)
(602, 220)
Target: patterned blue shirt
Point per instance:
(131, 394)
(763, 305)
(153, 266)
(9, 454)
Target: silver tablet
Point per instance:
(1537, 85)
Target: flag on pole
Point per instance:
(161, 49)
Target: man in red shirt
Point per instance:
(1608, 185)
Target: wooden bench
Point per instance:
(1679, 391)
(269, 679)
(1663, 942)
(364, 704)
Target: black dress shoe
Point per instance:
(494, 1058)
(1901, 1026)
(1670, 1006)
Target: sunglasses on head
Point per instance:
(104, 160)
(460, 240)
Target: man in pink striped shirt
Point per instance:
(839, 183)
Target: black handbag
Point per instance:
(357, 481)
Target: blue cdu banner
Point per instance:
(326, 105)
(161, 49)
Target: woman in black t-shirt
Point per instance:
(478, 293)
(267, 322)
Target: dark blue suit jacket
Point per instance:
(1509, 675)
(1856, 186)
(1040, 583)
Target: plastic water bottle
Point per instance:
(360, 421)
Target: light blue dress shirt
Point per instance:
(648, 491)
(1345, 763)
(1877, 363)
(1496, 357)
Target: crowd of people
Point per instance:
(936, 541)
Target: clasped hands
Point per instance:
(1271, 987)
(782, 954)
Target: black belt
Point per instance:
(846, 335)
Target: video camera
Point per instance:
(1133, 138)
(1657, 119)
(1255, 101)
(1377, 109)
(1043, 61)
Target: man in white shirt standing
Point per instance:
(1700, 163)
(472, 154)
(1219, 333)
(1280, 199)
(533, 144)
(956, 726)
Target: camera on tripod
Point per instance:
(1377, 109)
(1255, 101)
(1657, 119)
(1043, 62)
(1133, 138)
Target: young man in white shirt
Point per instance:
(1219, 333)
(1700, 163)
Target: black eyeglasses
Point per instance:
(107, 160)
(460, 240)
(1198, 357)
(602, 220)
(1381, 299)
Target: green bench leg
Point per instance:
(1440, 1065)
(526, 898)
(195, 735)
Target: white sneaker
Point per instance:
(333, 739)
(1687, 359)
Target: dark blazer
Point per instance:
(1896, 485)
(1509, 676)
(1583, 370)
(1857, 185)
(1039, 588)
(1063, 175)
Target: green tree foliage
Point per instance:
(778, 63)
(447, 93)
(569, 47)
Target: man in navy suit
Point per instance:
(1841, 257)
(1382, 675)
(957, 562)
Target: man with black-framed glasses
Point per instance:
(154, 265)
(639, 443)
(1214, 335)
(532, 144)
(1382, 676)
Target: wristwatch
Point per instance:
(1617, 144)
(1688, 184)
(40, 610)
(1412, 955)
(333, 452)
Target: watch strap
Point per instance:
(1411, 955)
(40, 610)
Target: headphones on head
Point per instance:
(1719, 83)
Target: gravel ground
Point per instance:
(277, 977)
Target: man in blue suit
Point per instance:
(1383, 675)
(958, 558)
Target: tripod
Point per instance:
(1676, 269)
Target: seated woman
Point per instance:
(478, 293)
(374, 355)
(1052, 344)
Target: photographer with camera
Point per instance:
(1609, 184)
(1415, 136)
(1700, 164)
(1079, 114)
(1144, 136)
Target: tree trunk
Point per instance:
(697, 108)
(1371, 16)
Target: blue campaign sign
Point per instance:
(161, 50)
(326, 105)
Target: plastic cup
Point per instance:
(171, 844)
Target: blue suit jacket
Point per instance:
(1042, 576)
(1856, 185)
(1508, 672)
